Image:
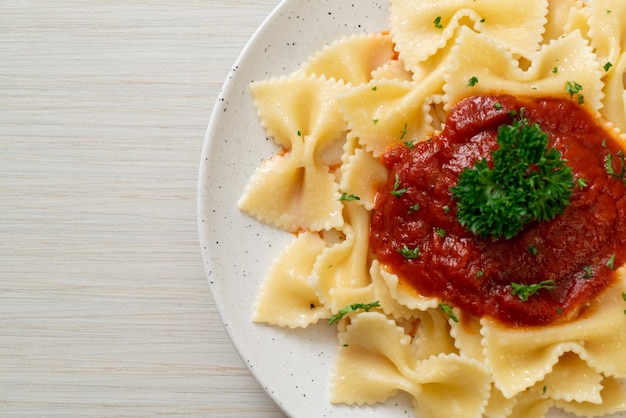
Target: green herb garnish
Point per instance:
(404, 131)
(472, 81)
(351, 308)
(447, 309)
(611, 262)
(524, 291)
(397, 192)
(620, 173)
(527, 182)
(408, 253)
(348, 197)
(573, 88)
(437, 22)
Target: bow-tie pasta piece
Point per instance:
(521, 357)
(296, 190)
(387, 112)
(300, 113)
(376, 359)
(285, 298)
(568, 59)
(293, 197)
(613, 395)
(421, 28)
(352, 59)
(571, 368)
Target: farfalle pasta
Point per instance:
(554, 64)
(335, 118)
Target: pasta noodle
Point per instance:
(333, 119)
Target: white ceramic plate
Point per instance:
(292, 365)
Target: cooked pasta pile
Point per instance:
(339, 112)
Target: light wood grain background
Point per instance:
(104, 306)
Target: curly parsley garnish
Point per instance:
(351, 308)
(527, 182)
(524, 291)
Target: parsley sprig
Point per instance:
(527, 182)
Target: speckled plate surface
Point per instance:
(292, 365)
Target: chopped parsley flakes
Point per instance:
(351, 308)
(524, 291)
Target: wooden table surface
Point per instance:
(105, 309)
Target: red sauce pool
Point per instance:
(474, 273)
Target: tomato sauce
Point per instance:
(579, 250)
